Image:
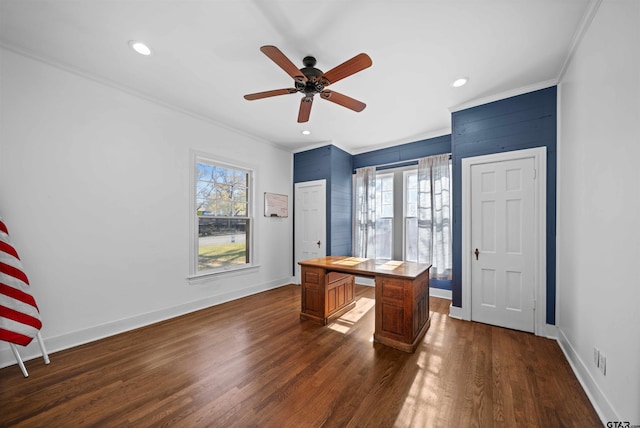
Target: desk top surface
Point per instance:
(368, 267)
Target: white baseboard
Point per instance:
(80, 337)
(457, 312)
(600, 403)
(550, 332)
(440, 292)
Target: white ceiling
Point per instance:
(206, 57)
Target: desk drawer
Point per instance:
(336, 276)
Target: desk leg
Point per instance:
(325, 295)
(402, 312)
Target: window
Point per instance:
(222, 217)
(427, 216)
(384, 216)
(412, 214)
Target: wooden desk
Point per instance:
(402, 296)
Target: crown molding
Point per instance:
(315, 145)
(503, 95)
(587, 19)
(135, 93)
(406, 140)
(585, 23)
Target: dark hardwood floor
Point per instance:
(253, 363)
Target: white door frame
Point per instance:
(296, 247)
(539, 156)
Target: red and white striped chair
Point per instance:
(20, 319)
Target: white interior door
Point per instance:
(310, 222)
(503, 234)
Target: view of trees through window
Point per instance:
(222, 208)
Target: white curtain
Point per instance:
(364, 240)
(434, 215)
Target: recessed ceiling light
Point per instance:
(460, 82)
(140, 47)
(306, 132)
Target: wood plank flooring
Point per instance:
(253, 363)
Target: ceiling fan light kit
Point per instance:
(311, 81)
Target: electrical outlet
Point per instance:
(603, 364)
(596, 356)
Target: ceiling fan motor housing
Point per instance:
(314, 83)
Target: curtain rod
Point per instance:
(399, 164)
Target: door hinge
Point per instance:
(534, 304)
(535, 173)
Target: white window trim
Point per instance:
(194, 276)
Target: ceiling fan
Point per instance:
(310, 81)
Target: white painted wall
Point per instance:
(598, 229)
(94, 188)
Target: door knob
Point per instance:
(476, 252)
(318, 244)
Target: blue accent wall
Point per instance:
(404, 152)
(333, 165)
(312, 165)
(340, 190)
(521, 122)
(336, 167)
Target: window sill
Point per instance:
(205, 277)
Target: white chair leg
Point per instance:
(44, 351)
(19, 360)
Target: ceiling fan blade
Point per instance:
(343, 100)
(266, 94)
(347, 68)
(305, 108)
(283, 62)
